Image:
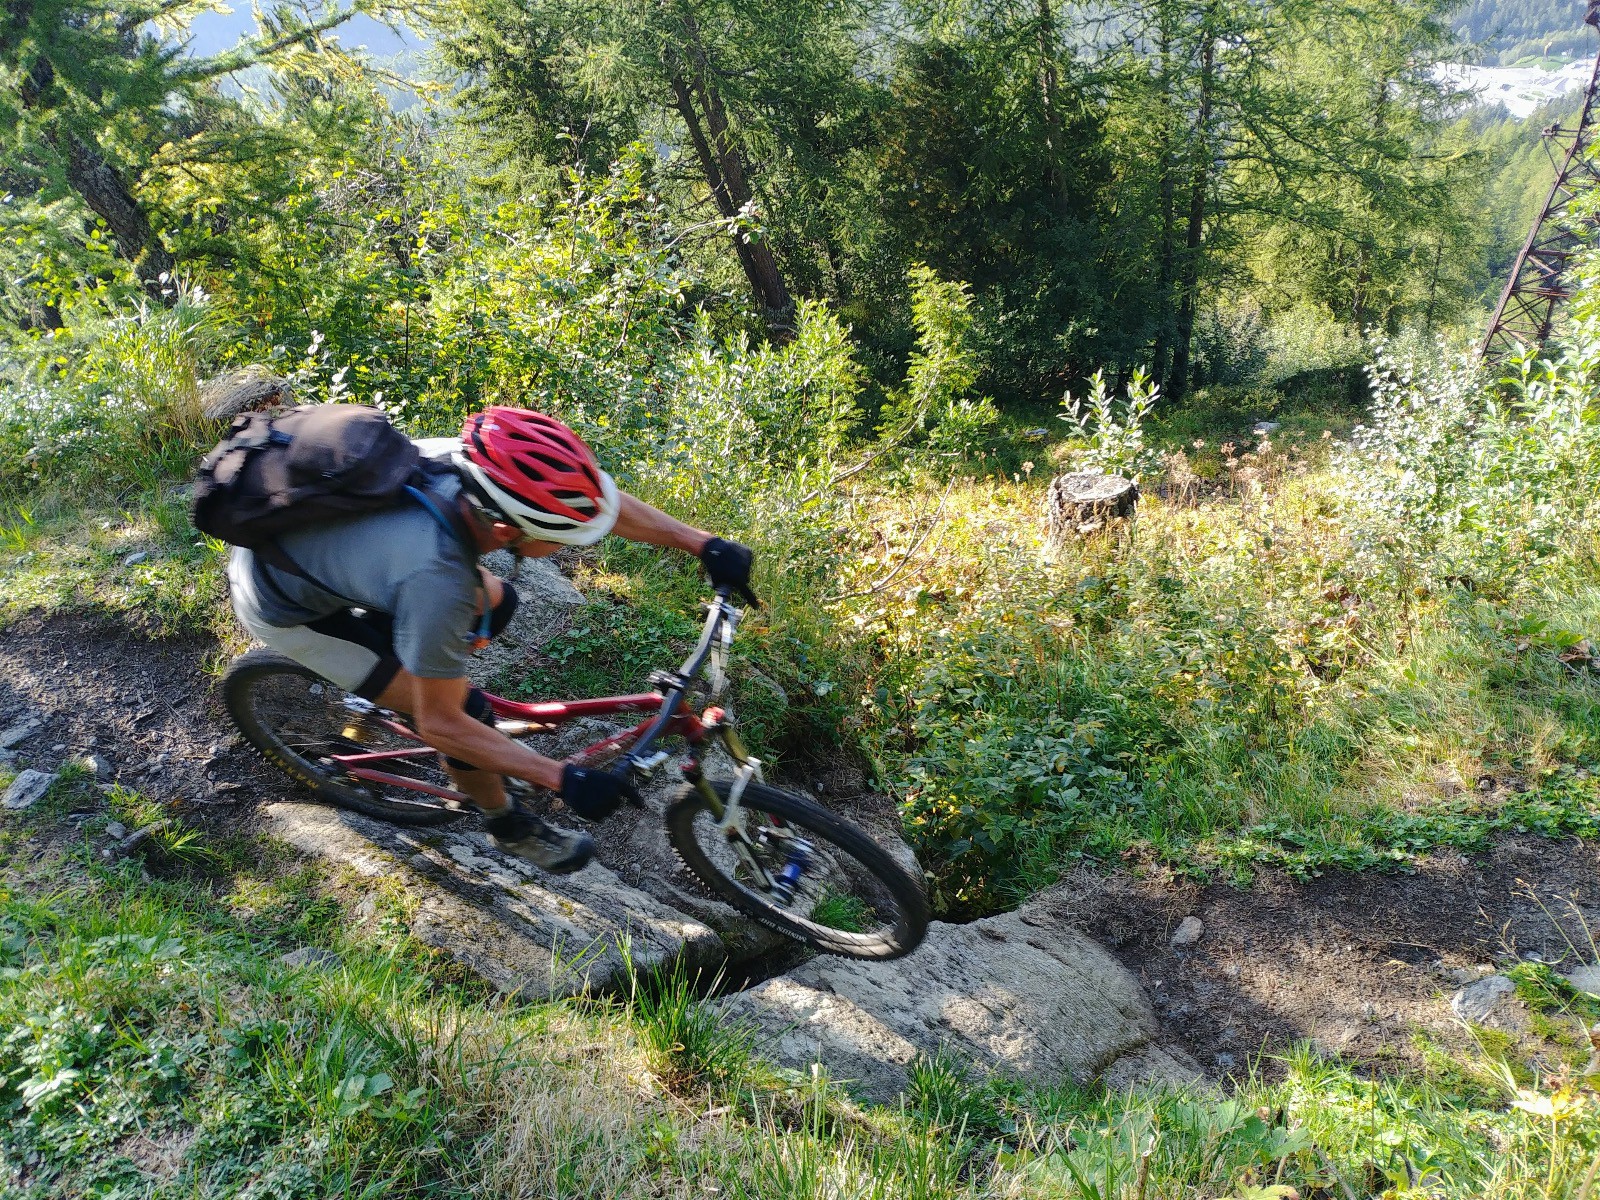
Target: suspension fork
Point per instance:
(747, 767)
(729, 814)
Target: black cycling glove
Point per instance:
(728, 564)
(595, 795)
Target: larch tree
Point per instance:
(733, 87)
(91, 94)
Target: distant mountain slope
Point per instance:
(1511, 30)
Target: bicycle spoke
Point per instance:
(795, 865)
(286, 711)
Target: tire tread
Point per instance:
(907, 892)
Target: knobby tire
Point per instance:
(247, 679)
(911, 914)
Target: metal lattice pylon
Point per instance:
(1539, 277)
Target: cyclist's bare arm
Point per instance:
(641, 522)
(437, 707)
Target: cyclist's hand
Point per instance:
(728, 564)
(595, 795)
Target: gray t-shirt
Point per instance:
(399, 561)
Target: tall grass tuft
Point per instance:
(689, 1042)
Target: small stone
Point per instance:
(97, 765)
(137, 557)
(26, 789)
(1477, 1001)
(14, 735)
(141, 839)
(1265, 428)
(116, 829)
(1224, 1061)
(311, 956)
(58, 748)
(1585, 978)
(1188, 933)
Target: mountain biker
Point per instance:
(391, 604)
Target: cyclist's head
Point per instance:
(531, 471)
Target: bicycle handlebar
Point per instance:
(719, 615)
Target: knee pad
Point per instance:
(477, 707)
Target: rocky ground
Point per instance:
(1357, 963)
(1195, 976)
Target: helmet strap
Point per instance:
(482, 507)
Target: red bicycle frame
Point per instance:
(544, 715)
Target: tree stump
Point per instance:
(1083, 503)
(226, 396)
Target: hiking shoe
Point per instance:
(557, 850)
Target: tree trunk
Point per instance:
(723, 159)
(103, 190)
(1189, 286)
(100, 187)
(1166, 266)
(1433, 285)
(1054, 149)
(710, 166)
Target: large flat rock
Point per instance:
(1023, 994)
(526, 932)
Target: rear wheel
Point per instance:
(803, 871)
(298, 721)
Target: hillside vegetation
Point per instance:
(242, 1028)
(851, 285)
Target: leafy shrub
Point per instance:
(1450, 482)
(1105, 441)
(1306, 338)
(116, 401)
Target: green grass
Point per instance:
(1228, 685)
(155, 1045)
(76, 561)
(848, 913)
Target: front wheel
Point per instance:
(801, 870)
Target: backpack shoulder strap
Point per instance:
(274, 555)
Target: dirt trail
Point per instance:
(1354, 961)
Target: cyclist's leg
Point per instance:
(346, 650)
(484, 788)
(355, 651)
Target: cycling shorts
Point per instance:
(352, 649)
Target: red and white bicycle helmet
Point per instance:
(538, 474)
